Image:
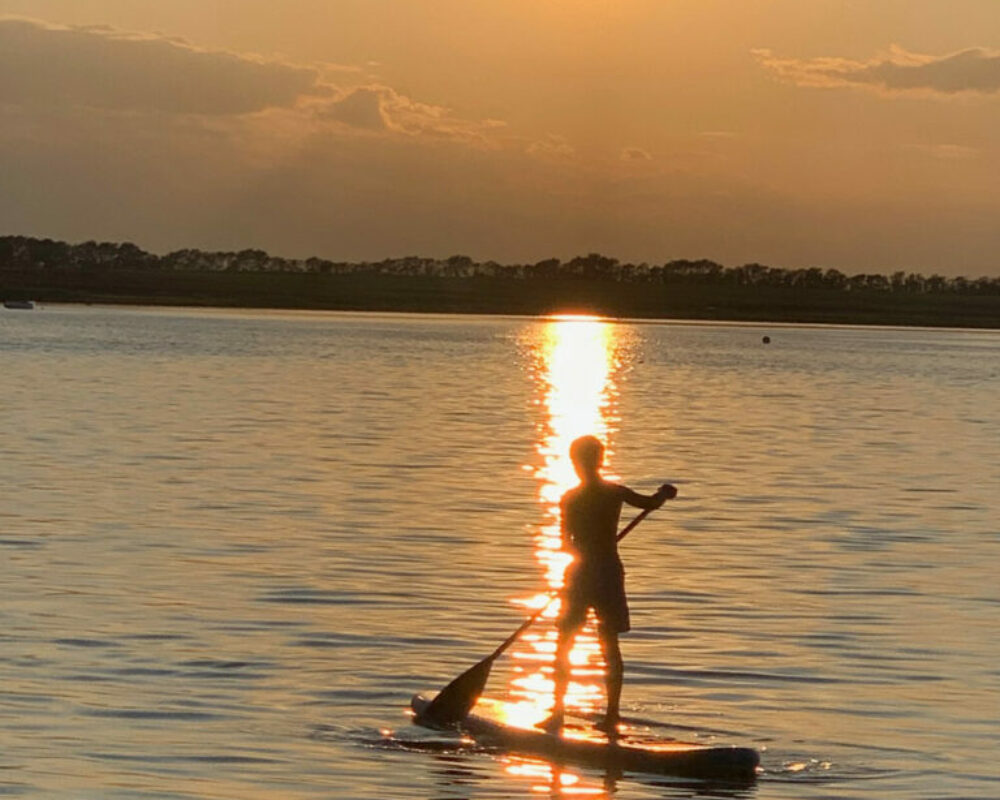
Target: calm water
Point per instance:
(232, 545)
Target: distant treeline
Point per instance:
(49, 271)
(21, 253)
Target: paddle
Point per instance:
(453, 703)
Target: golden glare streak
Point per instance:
(576, 366)
(551, 780)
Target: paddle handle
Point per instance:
(638, 518)
(531, 620)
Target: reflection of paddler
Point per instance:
(596, 578)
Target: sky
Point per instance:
(862, 135)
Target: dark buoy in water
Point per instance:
(766, 340)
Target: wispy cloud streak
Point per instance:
(975, 70)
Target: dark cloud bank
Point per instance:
(46, 66)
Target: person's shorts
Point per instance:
(602, 590)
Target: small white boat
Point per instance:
(18, 305)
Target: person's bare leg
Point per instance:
(560, 675)
(613, 678)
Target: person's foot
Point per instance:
(551, 724)
(609, 725)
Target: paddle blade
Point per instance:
(454, 702)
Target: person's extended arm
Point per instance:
(649, 501)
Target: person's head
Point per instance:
(587, 454)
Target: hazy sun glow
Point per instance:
(326, 117)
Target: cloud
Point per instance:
(975, 70)
(377, 107)
(635, 154)
(552, 146)
(360, 108)
(47, 66)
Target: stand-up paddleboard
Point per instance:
(490, 723)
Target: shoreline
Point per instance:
(763, 323)
(472, 316)
(691, 303)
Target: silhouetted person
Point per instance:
(596, 578)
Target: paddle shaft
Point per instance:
(534, 617)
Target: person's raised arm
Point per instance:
(649, 501)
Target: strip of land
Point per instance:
(593, 284)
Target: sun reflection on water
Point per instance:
(551, 780)
(578, 359)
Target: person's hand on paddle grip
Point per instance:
(666, 492)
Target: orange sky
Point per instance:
(857, 135)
